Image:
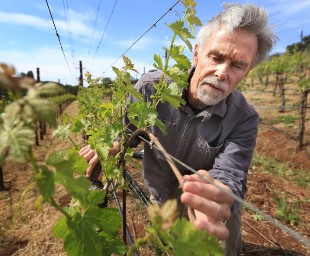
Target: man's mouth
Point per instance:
(213, 86)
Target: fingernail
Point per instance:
(183, 182)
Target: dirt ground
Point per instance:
(24, 230)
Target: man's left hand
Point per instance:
(211, 205)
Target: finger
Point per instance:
(100, 176)
(92, 163)
(84, 150)
(208, 191)
(201, 176)
(218, 211)
(89, 155)
(215, 228)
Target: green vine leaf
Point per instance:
(187, 240)
(16, 142)
(190, 3)
(142, 114)
(78, 187)
(44, 109)
(193, 20)
(111, 246)
(131, 90)
(79, 238)
(46, 183)
(78, 125)
(48, 89)
(176, 53)
(158, 62)
(178, 76)
(69, 159)
(92, 233)
(183, 236)
(60, 228)
(67, 163)
(116, 71)
(62, 131)
(178, 28)
(172, 95)
(128, 64)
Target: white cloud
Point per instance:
(24, 19)
(77, 27)
(77, 24)
(291, 8)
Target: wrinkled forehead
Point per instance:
(240, 45)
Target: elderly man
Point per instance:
(215, 131)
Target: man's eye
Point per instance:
(216, 59)
(240, 66)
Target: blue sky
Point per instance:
(98, 32)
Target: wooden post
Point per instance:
(38, 128)
(81, 74)
(38, 74)
(302, 118)
(282, 94)
(2, 187)
(276, 84)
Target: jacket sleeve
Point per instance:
(233, 161)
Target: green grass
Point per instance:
(288, 120)
(287, 210)
(270, 165)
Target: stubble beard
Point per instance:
(209, 96)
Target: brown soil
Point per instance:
(25, 230)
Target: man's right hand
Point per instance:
(92, 158)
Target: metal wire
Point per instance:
(58, 36)
(152, 26)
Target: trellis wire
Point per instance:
(151, 27)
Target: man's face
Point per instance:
(221, 64)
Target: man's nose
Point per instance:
(222, 71)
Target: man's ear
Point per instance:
(195, 55)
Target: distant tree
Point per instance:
(30, 74)
(275, 55)
(300, 46)
(106, 82)
(72, 89)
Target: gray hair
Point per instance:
(250, 17)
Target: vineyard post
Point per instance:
(302, 118)
(282, 93)
(38, 74)
(81, 75)
(266, 80)
(37, 130)
(1, 179)
(42, 125)
(1, 170)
